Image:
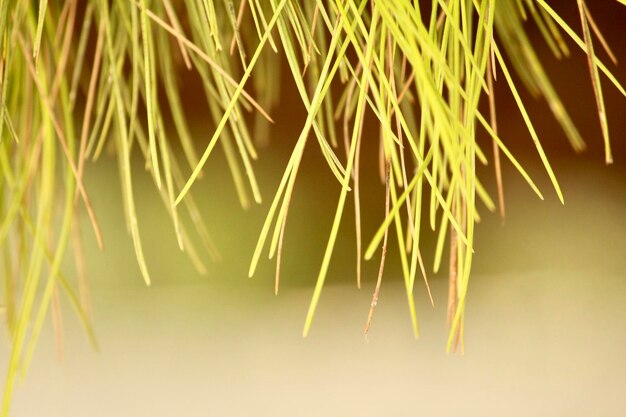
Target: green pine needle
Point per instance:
(79, 80)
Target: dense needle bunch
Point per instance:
(78, 78)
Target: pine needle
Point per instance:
(78, 83)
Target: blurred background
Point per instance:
(546, 317)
